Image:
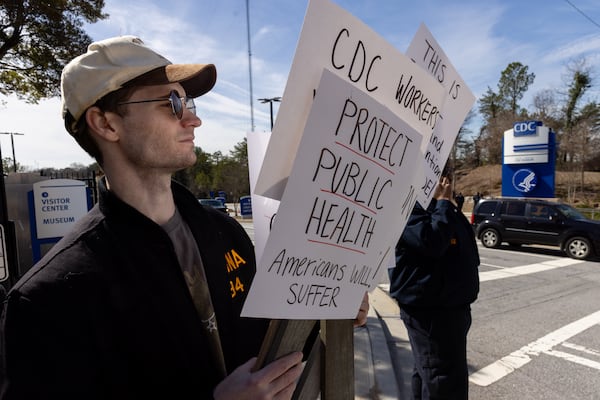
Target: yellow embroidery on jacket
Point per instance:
(233, 260)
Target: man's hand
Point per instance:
(443, 190)
(276, 380)
(361, 318)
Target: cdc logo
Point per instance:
(525, 128)
(524, 180)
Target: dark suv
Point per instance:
(214, 203)
(529, 221)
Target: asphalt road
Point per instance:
(536, 327)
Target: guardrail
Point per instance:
(591, 213)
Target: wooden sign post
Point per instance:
(329, 368)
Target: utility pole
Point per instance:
(250, 66)
(12, 142)
(270, 101)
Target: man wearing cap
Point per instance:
(142, 299)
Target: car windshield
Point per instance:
(570, 212)
(210, 202)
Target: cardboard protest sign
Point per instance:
(427, 53)
(348, 197)
(263, 208)
(334, 39)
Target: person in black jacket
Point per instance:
(142, 299)
(435, 281)
(460, 200)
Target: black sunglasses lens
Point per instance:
(176, 104)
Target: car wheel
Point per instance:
(490, 238)
(578, 247)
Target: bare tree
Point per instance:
(572, 137)
(545, 106)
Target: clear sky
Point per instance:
(480, 37)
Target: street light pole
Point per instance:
(270, 101)
(7, 230)
(12, 142)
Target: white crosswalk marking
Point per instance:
(499, 369)
(581, 349)
(573, 358)
(526, 269)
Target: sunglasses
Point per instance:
(177, 103)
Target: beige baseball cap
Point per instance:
(111, 63)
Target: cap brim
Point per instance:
(196, 79)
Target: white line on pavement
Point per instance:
(527, 269)
(500, 251)
(494, 266)
(499, 369)
(582, 349)
(573, 358)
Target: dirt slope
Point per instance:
(488, 181)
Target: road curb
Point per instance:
(375, 377)
(396, 339)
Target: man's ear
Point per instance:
(102, 123)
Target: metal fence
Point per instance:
(89, 177)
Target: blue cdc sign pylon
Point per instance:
(528, 164)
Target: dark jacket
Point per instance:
(106, 314)
(436, 259)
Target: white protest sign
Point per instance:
(263, 208)
(428, 54)
(58, 204)
(346, 201)
(334, 39)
